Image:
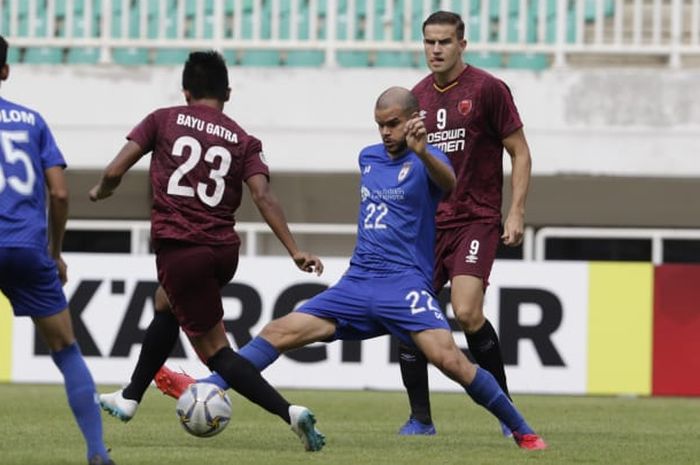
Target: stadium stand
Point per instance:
(521, 34)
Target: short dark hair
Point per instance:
(3, 51)
(446, 17)
(205, 75)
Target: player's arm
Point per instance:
(57, 216)
(517, 148)
(271, 210)
(130, 153)
(416, 139)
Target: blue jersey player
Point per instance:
(31, 270)
(387, 289)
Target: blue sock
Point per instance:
(82, 394)
(260, 353)
(215, 378)
(485, 391)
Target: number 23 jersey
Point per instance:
(200, 159)
(396, 224)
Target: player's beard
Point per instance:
(398, 148)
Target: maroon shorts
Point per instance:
(192, 276)
(465, 250)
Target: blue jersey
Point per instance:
(27, 149)
(398, 201)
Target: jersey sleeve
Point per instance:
(144, 134)
(49, 152)
(254, 161)
(503, 115)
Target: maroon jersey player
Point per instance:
(471, 116)
(200, 160)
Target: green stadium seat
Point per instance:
(130, 56)
(590, 9)
(83, 56)
(43, 55)
(13, 55)
(485, 59)
(165, 56)
(312, 58)
(531, 61)
(260, 58)
(353, 59)
(395, 60)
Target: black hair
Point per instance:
(205, 75)
(446, 17)
(3, 51)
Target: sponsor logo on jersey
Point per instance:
(262, 157)
(364, 193)
(404, 171)
(471, 258)
(367, 169)
(464, 107)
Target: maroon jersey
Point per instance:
(199, 162)
(468, 119)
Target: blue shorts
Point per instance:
(366, 306)
(29, 279)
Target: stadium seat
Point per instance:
(485, 59)
(304, 58)
(170, 56)
(260, 58)
(130, 56)
(13, 55)
(83, 56)
(43, 55)
(590, 9)
(353, 59)
(395, 59)
(531, 61)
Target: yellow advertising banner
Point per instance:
(620, 319)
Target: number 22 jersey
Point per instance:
(396, 225)
(200, 159)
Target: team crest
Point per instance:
(404, 171)
(464, 107)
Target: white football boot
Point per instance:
(303, 424)
(116, 405)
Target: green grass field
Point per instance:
(36, 428)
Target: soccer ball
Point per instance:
(204, 410)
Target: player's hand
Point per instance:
(98, 193)
(62, 269)
(416, 135)
(513, 229)
(308, 263)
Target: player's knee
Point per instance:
(470, 318)
(448, 361)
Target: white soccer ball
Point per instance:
(204, 410)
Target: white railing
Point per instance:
(250, 232)
(557, 29)
(656, 236)
(534, 242)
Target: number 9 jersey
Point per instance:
(200, 159)
(398, 201)
(27, 149)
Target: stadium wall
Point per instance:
(613, 122)
(565, 327)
